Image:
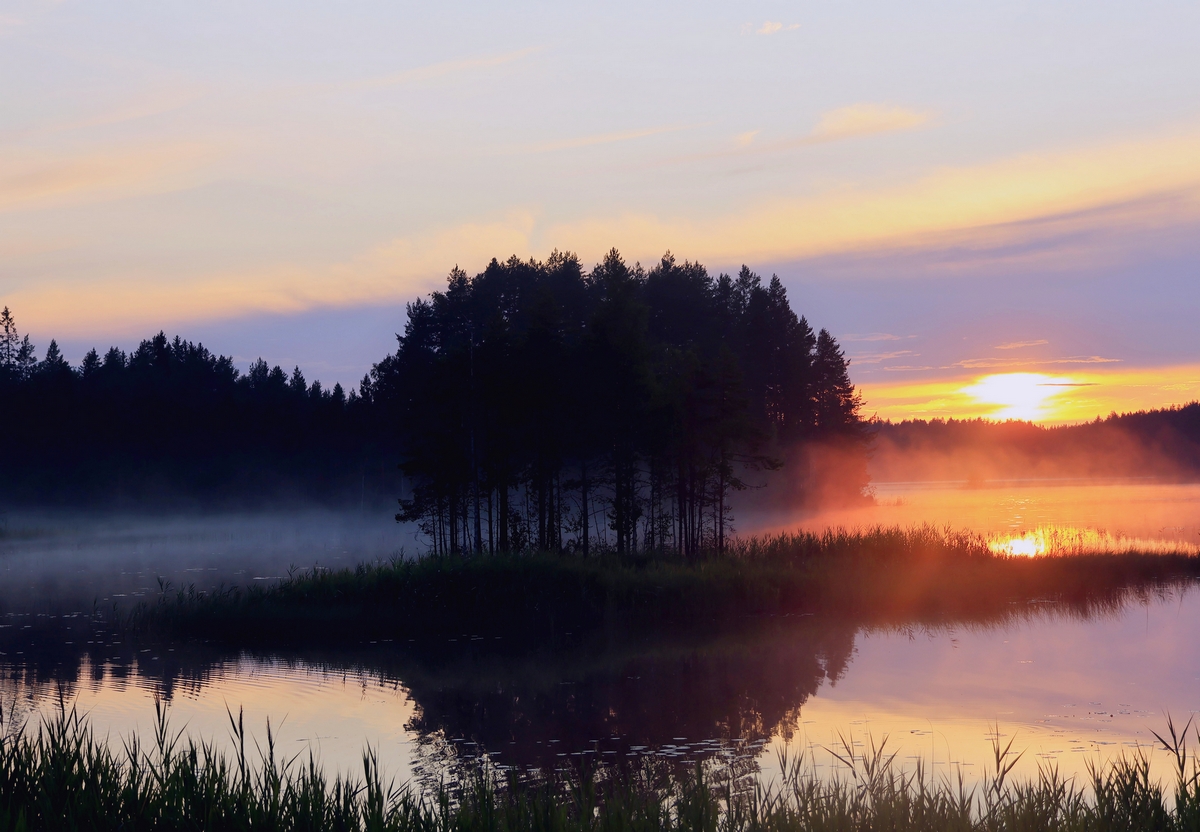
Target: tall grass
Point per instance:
(876, 575)
(62, 777)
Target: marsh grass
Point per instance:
(62, 777)
(876, 576)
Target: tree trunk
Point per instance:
(583, 467)
(503, 508)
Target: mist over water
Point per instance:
(1070, 688)
(66, 561)
(1104, 512)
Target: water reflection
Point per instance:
(435, 709)
(1069, 679)
(1145, 511)
(1069, 540)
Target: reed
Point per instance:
(60, 776)
(876, 576)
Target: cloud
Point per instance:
(770, 27)
(878, 357)
(431, 72)
(1002, 202)
(863, 120)
(874, 336)
(33, 180)
(745, 139)
(845, 123)
(995, 363)
(1152, 182)
(1016, 345)
(399, 269)
(603, 138)
(149, 104)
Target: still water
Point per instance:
(1069, 688)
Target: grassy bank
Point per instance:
(877, 576)
(62, 777)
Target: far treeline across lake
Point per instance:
(534, 405)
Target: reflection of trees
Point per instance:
(523, 707)
(606, 698)
(736, 689)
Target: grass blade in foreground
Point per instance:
(61, 777)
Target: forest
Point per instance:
(537, 404)
(1161, 443)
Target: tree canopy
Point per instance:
(618, 405)
(535, 404)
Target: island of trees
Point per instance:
(537, 404)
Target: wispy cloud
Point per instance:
(769, 27)
(879, 357)
(1016, 345)
(874, 336)
(959, 204)
(863, 120)
(152, 103)
(604, 138)
(1000, 203)
(836, 125)
(431, 72)
(32, 180)
(997, 363)
(394, 270)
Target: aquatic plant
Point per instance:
(62, 777)
(875, 576)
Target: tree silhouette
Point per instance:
(537, 404)
(561, 409)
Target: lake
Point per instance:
(1066, 688)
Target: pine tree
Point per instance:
(10, 341)
(26, 361)
(837, 402)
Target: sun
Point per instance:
(1027, 396)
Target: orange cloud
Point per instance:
(605, 138)
(34, 180)
(431, 72)
(397, 270)
(1149, 183)
(1017, 345)
(863, 120)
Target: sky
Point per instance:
(995, 207)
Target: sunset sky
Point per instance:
(956, 190)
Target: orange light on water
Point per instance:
(1070, 540)
(1027, 547)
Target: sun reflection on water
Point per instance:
(1071, 540)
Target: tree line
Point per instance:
(171, 422)
(1163, 443)
(537, 404)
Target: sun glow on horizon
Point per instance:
(1027, 396)
(1044, 398)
